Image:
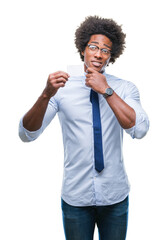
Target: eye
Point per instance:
(104, 50)
(92, 47)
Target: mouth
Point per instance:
(96, 64)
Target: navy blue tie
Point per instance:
(98, 148)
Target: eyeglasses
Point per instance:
(95, 49)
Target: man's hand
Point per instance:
(54, 82)
(96, 80)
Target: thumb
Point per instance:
(91, 70)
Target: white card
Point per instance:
(75, 70)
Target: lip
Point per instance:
(96, 63)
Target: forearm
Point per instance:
(33, 119)
(124, 113)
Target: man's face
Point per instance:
(97, 54)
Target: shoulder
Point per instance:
(122, 85)
(115, 80)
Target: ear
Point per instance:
(82, 53)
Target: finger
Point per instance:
(58, 85)
(88, 79)
(88, 75)
(62, 74)
(58, 80)
(53, 78)
(59, 74)
(88, 84)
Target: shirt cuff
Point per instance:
(26, 135)
(141, 126)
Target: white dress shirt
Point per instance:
(82, 184)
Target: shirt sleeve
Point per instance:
(132, 98)
(28, 136)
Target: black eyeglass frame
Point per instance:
(108, 51)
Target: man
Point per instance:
(93, 110)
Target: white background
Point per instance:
(37, 38)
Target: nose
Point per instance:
(98, 54)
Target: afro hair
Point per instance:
(97, 25)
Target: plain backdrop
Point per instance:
(37, 38)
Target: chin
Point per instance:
(98, 69)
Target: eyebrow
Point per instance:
(103, 44)
(107, 46)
